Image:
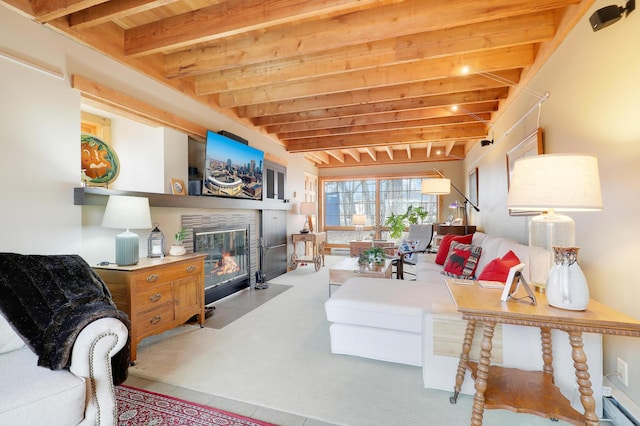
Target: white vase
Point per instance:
(177, 250)
(566, 284)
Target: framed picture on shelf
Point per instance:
(531, 145)
(178, 187)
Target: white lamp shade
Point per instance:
(126, 212)
(359, 219)
(436, 186)
(563, 182)
(307, 208)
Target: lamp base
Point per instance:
(127, 248)
(546, 231)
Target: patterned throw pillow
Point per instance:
(407, 246)
(445, 244)
(462, 260)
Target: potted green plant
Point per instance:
(398, 222)
(372, 256)
(177, 249)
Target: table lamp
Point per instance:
(553, 183)
(307, 209)
(126, 212)
(359, 220)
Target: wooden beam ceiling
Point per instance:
(345, 82)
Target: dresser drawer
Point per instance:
(151, 296)
(167, 273)
(159, 318)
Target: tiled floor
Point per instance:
(228, 310)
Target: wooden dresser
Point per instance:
(158, 294)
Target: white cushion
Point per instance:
(385, 303)
(30, 393)
(376, 343)
(9, 339)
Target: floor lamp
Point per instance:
(442, 186)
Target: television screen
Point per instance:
(232, 169)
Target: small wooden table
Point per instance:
(317, 240)
(530, 391)
(349, 267)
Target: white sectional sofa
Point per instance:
(416, 323)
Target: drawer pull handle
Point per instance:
(191, 268)
(154, 298)
(152, 278)
(156, 319)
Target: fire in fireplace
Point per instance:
(227, 265)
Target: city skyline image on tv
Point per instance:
(232, 169)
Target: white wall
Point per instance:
(40, 163)
(594, 84)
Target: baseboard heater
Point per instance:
(340, 251)
(616, 414)
(618, 409)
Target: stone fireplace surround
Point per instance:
(191, 222)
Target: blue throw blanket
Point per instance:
(50, 299)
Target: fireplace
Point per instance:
(227, 265)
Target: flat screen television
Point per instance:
(232, 169)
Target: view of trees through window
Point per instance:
(374, 198)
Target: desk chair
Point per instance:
(423, 234)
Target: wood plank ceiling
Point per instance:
(346, 82)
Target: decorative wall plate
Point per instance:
(100, 164)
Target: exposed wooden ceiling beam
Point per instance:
(227, 19)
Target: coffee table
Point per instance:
(349, 267)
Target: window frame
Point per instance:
(377, 178)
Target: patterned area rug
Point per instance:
(138, 407)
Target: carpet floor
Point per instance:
(278, 356)
(137, 407)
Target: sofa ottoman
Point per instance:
(382, 319)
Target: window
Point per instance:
(376, 198)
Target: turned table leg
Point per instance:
(582, 374)
(547, 352)
(482, 373)
(464, 359)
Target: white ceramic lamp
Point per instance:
(126, 212)
(553, 183)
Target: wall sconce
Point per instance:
(608, 15)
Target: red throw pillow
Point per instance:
(462, 260)
(445, 244)
(498, 269)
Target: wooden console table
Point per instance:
(530, 391)
(317, 240)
